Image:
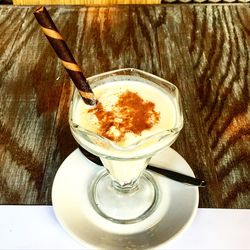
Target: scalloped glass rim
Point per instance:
(160, 135)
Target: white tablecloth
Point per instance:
(36, 227)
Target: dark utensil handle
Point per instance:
(168, 173)
(178, 176)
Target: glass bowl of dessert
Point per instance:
(137, 115)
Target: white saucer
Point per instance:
(177, 207)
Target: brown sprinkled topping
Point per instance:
(130, 114)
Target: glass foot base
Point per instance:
(124, 207)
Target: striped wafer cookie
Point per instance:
(65, 55)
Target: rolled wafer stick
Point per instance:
(63, 52)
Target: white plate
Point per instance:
(177, 206)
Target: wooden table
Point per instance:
(203, 49)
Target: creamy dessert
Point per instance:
(127, 111)
(131, 114)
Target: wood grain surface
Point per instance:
(83, 2)
(203, 49)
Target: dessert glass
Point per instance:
(123, 191)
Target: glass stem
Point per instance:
(126, 187)
(125, 175)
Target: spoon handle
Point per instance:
(185, 179)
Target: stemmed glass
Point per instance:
(124, 192)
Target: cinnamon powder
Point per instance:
(130, 114)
